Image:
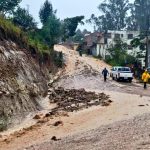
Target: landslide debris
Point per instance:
(75, 100)
(23, 83)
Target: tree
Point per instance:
(78, 37)
(46, 11)
(131, 21)
(22, 18)
(85, 31)
(118, 54)
(96, 22)
(51, 31)
(69, 26)
(8, 6)
(142, 14)
(136, 42)
(113, 15)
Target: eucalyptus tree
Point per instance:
(113, 15)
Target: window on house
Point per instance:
(122, 35)
(117, 36)
(105, 41)
(130, 36)
(109, 35)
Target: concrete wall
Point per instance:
(148, 54)
(124, 37)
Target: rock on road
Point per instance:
(124, 125)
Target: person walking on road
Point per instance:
(145, 78)
(105, 73)
(80, 52)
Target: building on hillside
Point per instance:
(94, 44)
(126, 37)
(97, 43)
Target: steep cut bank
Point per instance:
(23, 82)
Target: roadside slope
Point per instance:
(92, 128)
(22, 83)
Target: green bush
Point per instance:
(32, 40)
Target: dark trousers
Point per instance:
(80, 53)
(105, 78)
(145, 85)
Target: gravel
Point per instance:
(131, 134)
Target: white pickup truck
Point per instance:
(121, 73)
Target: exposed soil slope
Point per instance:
(22, 82)
(119, 125)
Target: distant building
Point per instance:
(94, 44)
(97, 43)
(126, 37)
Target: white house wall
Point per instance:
(124, 38)
(94, 51)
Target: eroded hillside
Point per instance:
(22, 82)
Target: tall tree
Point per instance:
(51, 31)
(22, 18)
(98, 23)
(8, 6)
(69, 26)
(131, 20)
(119, 54)
(113, 15)
(46, 11)
(142, 14)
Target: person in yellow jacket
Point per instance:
(145, 78)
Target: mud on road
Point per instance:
(86, 73)
(81, 86)
(130, 134)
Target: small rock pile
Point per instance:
(74, 100)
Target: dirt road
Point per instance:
(122, 125)
(86, 72)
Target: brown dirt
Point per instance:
(78, 130)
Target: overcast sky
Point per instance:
(65, 8)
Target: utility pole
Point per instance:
(147, 32)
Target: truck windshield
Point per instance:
(124, 69)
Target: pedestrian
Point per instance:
(80, 52)
(145, 78)
(105, 73)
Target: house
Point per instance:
(126, 37)
(97, 43)
(93, 44)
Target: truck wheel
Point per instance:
(112, 77)
(130, 80)
(117, 78)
